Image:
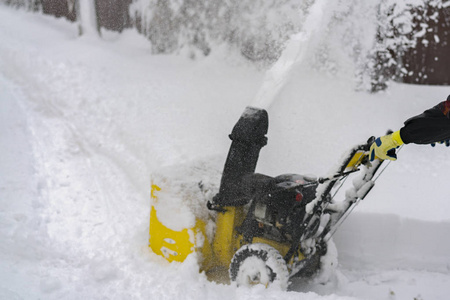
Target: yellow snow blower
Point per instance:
(267, 229)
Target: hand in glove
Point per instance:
(384, 147)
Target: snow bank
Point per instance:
(383, 240)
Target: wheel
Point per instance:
(259, 264)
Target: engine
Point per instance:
(280, 207)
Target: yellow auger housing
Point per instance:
(176, 245)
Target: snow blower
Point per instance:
(267, 229)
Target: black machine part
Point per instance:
(277, 206)
(248, 137)
(280, 197)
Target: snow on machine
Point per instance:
(266, 230)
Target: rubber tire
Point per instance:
(259, 264)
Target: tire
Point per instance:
(255, 264)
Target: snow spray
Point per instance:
(294, 53)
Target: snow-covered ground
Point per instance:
(86, 122)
